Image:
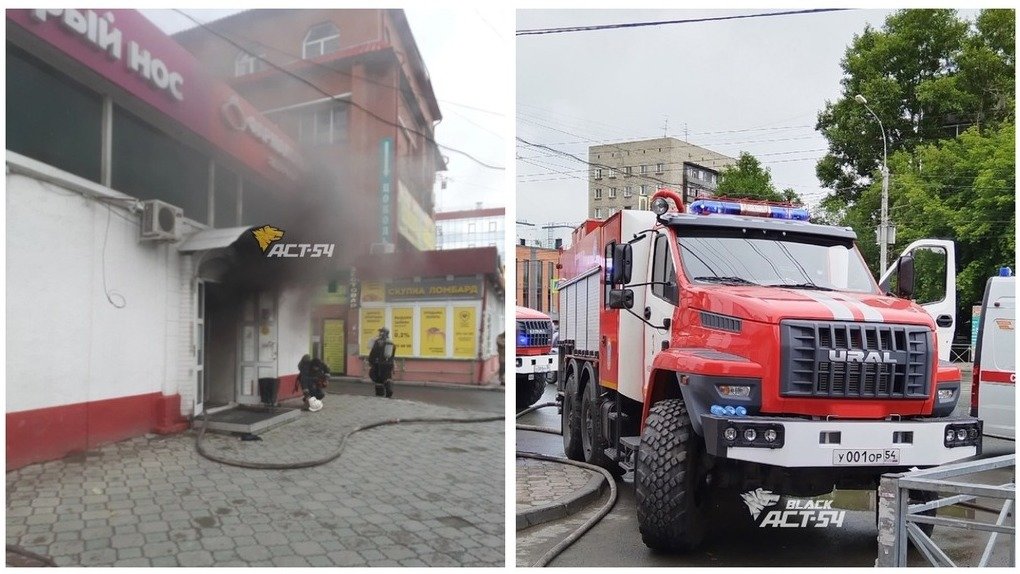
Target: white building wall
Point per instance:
(92, 313)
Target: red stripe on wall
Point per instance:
(998, 376)
(53, 433)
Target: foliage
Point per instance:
(944, 90)
(927, 74)
(961, 189)
(747, 179)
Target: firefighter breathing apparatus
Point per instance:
(576, 535)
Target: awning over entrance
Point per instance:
(211, 239)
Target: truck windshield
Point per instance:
(773, 262)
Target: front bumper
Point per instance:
(537, 367)
(834, 443)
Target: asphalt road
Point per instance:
(733, 538)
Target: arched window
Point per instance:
(248, 62)
(320, 39)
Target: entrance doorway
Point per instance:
(259, 345)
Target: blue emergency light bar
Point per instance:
(709, 206)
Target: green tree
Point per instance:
(748, 179)
(961, 188)
(907, 72)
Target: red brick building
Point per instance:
(351, 87)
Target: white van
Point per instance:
(993, 391)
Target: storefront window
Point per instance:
(259, 207)
(149, 164)
(51, 118)
(225, 198)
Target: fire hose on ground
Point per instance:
(340, 449)
(576, 535)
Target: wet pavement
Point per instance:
(616, 541)
(405, 495)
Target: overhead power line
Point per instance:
(541, 31)
(315, 87)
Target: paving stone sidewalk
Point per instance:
(549, 490)
(406, 495)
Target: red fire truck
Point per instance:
(731, 346)
(536, 363)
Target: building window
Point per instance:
(323, 125)
(598, 173)
(644, 190)
(321, 39)
(627, 170)
(659, 167)
(598, 213)
(492, 226)
(57, 121)
(612, 193)
(598, 193)
(644, 169)
(626, 192)
(149, 164)
(247, 63)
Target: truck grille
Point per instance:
(855, 360)
(534, 333)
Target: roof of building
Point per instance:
(417, 63)
(471, 213)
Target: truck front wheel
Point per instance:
(667, 480)
(529, 392)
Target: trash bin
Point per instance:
(269, 388)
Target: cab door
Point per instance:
(934, 285)
(661, 297)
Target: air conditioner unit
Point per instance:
(379, 248)
(161, 221)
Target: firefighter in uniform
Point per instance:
(380, 361)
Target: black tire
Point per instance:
(570, 420)
(593, 444)
(666, 480)
(529, 392)
(921, 497)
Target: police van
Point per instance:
(993, 390)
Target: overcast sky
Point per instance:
(752, 85)
(467, 55)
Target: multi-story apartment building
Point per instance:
(536, 277)
(625, 175)
(479, 227)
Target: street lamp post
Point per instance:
(883, 226)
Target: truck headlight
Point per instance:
(963, 434)
(730, 434)
(946, 395)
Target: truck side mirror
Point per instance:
(621, 298)
(619, 258)
(905, 277)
